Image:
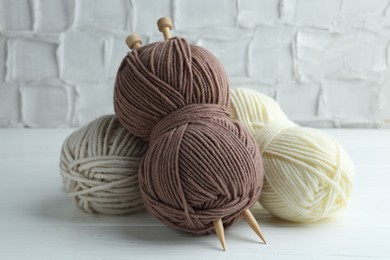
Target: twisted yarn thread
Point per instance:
(99, 165)
(308, 175)
(200, 166)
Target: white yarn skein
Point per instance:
(308, 175)
(99, 165)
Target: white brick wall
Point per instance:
(325, 62)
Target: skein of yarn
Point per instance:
(200, 166)
(308, 175)
(99, 165)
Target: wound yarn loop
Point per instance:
(199, 166)
(191, 192)
(270, 131)
(309, 176)
(164, 77)
(195, 113)
(99, 166)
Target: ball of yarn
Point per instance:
(200, 166)
(308, 175)
(99, 166)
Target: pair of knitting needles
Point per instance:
(133, 41)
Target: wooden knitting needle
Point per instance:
(248, 216)
(133, 41)
(220, 232)
(164, 25)
(253, 224)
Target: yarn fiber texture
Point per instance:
(99, 166)
(200, 166)
(308, 175)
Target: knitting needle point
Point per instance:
(133, 41)
(253, 224)
(164, 25)
(220, 232)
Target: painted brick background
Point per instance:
(325, 62)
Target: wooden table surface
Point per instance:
(38, 220)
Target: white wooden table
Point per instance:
(38, 221)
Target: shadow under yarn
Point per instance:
(200, 166)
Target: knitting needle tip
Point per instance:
(253, 224)
(218, 226)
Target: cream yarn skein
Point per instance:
(308, 175)
(99, 166)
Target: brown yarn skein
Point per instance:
(200, 166)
